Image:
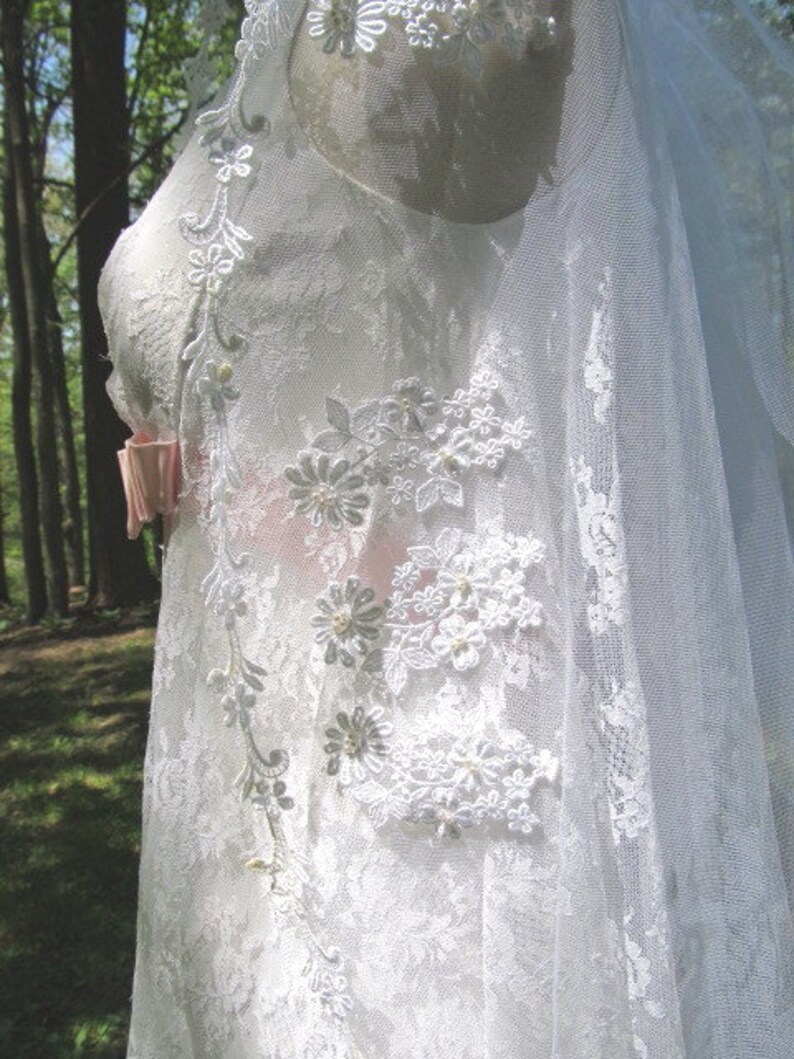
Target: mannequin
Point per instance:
(471, 726)
(429, 135)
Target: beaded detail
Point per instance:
(453, 30)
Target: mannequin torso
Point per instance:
(446, 143)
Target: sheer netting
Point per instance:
(471, 726)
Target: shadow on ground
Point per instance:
(74, 708)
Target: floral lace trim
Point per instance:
(219, 245)
(620, 709)
(454, 31)
(452, 602)
(449, 599)
(419, 447)
(450, 772)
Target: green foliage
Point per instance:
(164, 35)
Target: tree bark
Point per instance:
(70, 473)
(5, 596)
(21, 386)
(120, 572)
(11, 24)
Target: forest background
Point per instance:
(94, 99)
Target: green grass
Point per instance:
(74, 704)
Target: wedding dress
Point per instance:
(472, 733)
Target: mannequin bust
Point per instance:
(433, 136)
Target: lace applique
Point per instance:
(450, 771)
(450, 598)
(602, 547)
(416, 445)
(627, 768)
(598, 368)
(620, 710)
(348, 625)
(452, 30)
(358, 745)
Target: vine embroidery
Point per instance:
(218, 246)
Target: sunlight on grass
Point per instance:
(73, 717)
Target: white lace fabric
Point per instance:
(471, 732)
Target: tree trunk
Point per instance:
(30, 259)
(70, 474)
(20, 403)
(5, 596)
(120, 571)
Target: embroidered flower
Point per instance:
(229, 602)
(521, 818)
(210, 268)
(376, 472)
(232, 161)
(495, 613)
(449, 814)
(476, 765)
(348, 625)
(527, 613)
(546, 766)
(459, 641)
(478, 19)
(346, 24)
(513, 39)
(357, 746)
(464, 580)
(404, 456)
(428, 601)
(237, 702)
(510, 583)
(258, 33)
(410, 405)
(518, 784)
(332, 990)
(267, 793)
(400, 490)
(216, 385)
(421, 31)
(405, 576)
(451, 454)
(484, 420)
(528, 551)
(516, 433)
(327, 491)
